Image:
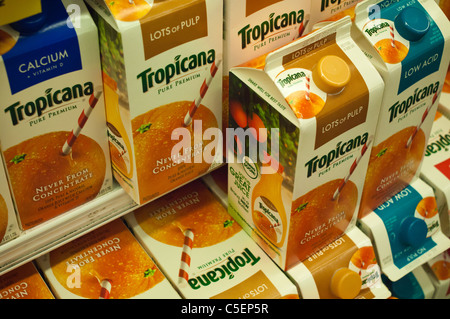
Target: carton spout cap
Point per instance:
(331, 74)
(345, 283)
(413, 231)
(35, 22)
(412, 24)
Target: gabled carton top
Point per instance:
(307, 55)
(124, 14)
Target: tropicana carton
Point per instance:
(301, 129)
(346, 268)
(253, 28)
(107, 263)
(24, 282)
(416, 284)
(409, 44)
(435, 169)
(324, 11)
(53, 124)
(438, 269)
(162, 75)
(406, 230)
(444, 99)
(204, 251)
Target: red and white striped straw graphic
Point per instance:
(203, 89)
(185, 263)
(308, 87)
(424, 116)
(105, 290)
(352, 168)
(82, 119)
(391, 31)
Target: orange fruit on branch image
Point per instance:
(391, 168)
(110, 252)
(46, 183)
(304, 108)
(391, 54)
(317, 219)
(255, 122)
(128, 10)
(238, 113)
(157, 170)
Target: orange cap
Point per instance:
(345, 283)
(331, 74)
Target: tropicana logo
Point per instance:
(19, 111)
(227, 270)
(274, 23)
(419, 94)
(149, 77)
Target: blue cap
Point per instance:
(35, 22)
(413, 231)
(407, 287)
(30, 24)
(412, 24)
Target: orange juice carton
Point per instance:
(344, 269)
(438, 268)
(24, 282)
(414, 285)
(217, 182)
(204, 251)
(53, 124)
(252, 28)
(325, 11)
(405, 230)
(435, 170)
(107, 263)
(162, 71)
(409, 44)
(445, 6)
(13, 11)
(9, 227)
(444, 99)
(300, 129)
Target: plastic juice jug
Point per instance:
(268, 212)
